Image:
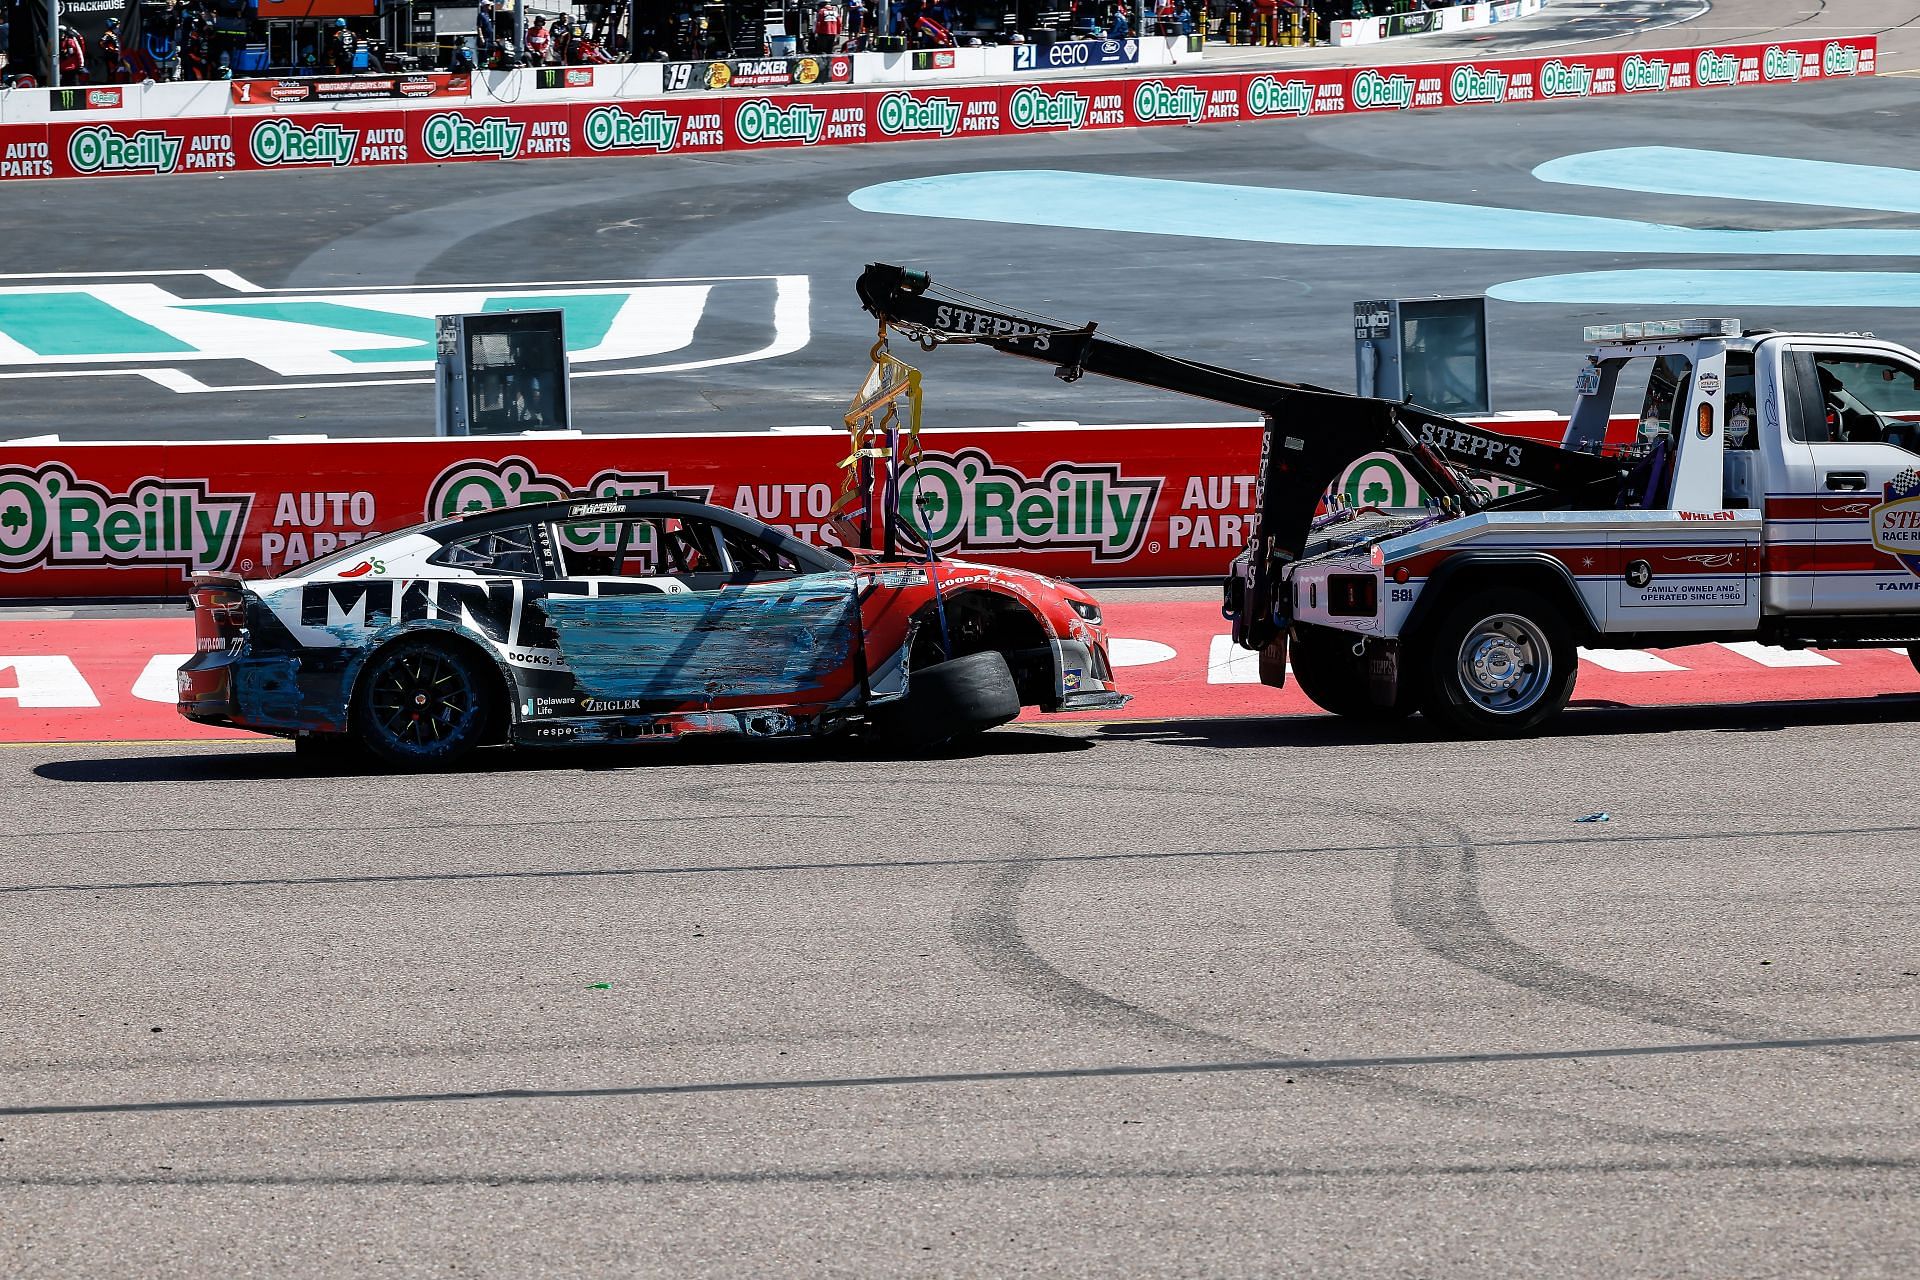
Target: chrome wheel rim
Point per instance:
(1504, 664)
(419, 700)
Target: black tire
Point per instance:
(1913, 655)
(951, 700)
(423, 703)
(1499, 664)
(1328, 673)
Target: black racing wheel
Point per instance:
(423, 703)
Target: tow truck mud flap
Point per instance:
(1273, 662)
(780, 639)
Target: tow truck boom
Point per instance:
(1311, 433)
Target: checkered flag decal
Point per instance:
(1904, 485)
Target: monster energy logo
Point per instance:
(1371, 90)
(1640, 75)
(1032, 107)
(1558, 80)
(761, 121)
(613, 129)
(1840, 60)
(102, 148)
(1471, 84)
(1153, 100)
(48, 516)
(965, 502)
(1268, 97)
(449, 136)
(904, 113)
(1716, 68)
(282, 141)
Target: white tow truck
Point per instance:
(1770, 493)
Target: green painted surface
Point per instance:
(589, 317)
(78, 324)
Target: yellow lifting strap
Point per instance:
(875, 410)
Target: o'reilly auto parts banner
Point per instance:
(431, 134)
(1125, 502)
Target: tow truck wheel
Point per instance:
(1325, 668)
(1500, 664)
(422, 704)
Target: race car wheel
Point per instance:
(1325, 668)
(422, 704)
(951, 700)
(1500, 664)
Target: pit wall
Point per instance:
(1430, 22)
(553, 126)
(110, 521)
(620, 81)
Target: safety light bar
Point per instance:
(1657, 330)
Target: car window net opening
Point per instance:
(506, 551)
(649, 547)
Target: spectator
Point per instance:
(341, 46)
(826, 27)
(539, 43)
(483, 27)
(73, 57)
(110, 69)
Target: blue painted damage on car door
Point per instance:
(777, 639)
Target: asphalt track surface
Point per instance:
(1228, 998)
(1275, 308)
(1213, 996)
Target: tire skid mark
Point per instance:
(1436, 899)
(986, 927)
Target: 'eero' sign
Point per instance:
(1075, 53)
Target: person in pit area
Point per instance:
(341, 47)
(73, 57)
(539, 42)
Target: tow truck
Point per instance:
(1768, 491)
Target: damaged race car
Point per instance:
(635, 619)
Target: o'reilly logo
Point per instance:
(1471, 84)
(1840, 60)
(904, 113)
(451, 136)
(1266, 96)
(762, 121)
(1715, 68)
(1032, 107)
(1644, 75)
(966, 502)
(1153, 100)
(48, 516)
(1566, 80)
(616, 129)
(102, 148)
(1780, 64)
(1371, 91)
(278, 142)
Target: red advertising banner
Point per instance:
(110, 520)
(271, 93)
(831, 116)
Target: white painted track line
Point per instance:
(1228, 663)
(1630, 660)
(1768, 655)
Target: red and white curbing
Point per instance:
(99, 680)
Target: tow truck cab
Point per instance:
(1769, 492)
